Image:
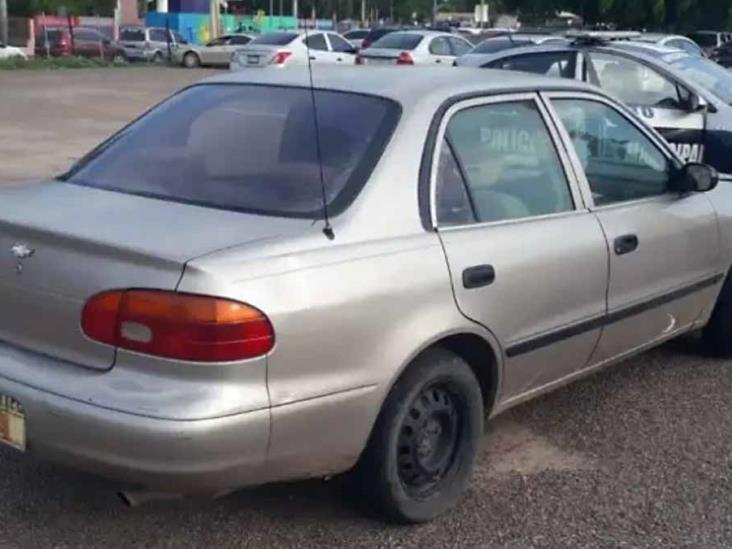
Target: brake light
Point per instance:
(180, 326)
(281, 57)
(365, 44)
(405, 59)
(359, 60)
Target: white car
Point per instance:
(674, 41)
(288, 48)
(8, 52)
(415, 48)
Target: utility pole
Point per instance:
(4, 21)
(363, 12)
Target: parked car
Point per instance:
(418, 47)
(270, 306)
(671, 41)
(490, 46)
(688, 98)
(292, 48)
(356, 37)
(150, 44)
(11, 52)
(378, 32)
(218, 52)
(86, 42)
(709, 40)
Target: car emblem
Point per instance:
(21, 252)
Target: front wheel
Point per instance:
(717, 335)
(423, 447)
(191, 61)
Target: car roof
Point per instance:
(428, 82)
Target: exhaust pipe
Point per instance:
(136, 499)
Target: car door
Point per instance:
(440, 51)
(656, 98)
(319, 52)
(527, 259)
(341, 50)
(217, 52)
(87, 43)
(665, 252)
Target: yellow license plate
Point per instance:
(12, 423)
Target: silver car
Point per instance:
(215, 298)
(152, 44)
(418, 47)
(294, 48)
(217, 52)
(674, 41)
(489, 47)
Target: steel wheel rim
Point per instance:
(428, 440)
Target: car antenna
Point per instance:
(328, 229)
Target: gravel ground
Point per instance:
(636, 456)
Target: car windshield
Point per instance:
(274, 39)
(708, 75)
(705, 39)
(247, 148)
(398, 41)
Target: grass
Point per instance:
(55, 63)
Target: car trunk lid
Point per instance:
(258, 56)
(380, 56)
(61, 243)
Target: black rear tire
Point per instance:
(422, 450)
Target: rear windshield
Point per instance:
(398, 41)
(494, 45)
(275, 39)
(247, 148)
(132, 35)
(356, 34)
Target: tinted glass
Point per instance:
(275, 38)
(440, 46)
(375, 34)
(54, 37)
(249, 148)
(493, 45)
(633, 82)
(459, 47)
(356, 34)
(221, 41)
(158, 35)
(179, 38)
(509, 162)
(561, 64)
(620, 162)
(339, 44)
(316, 42)
(398, 41)
(708, 75)
(132, 35)
(239, 40)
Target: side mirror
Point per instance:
(696, 178)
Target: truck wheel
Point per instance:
(191, 61)
(423, 446)
(717, 335)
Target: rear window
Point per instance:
(132, 35)
(275, 39)
(54, 37)
(357, 34)
(247, 148)
(494, 45)
(398, 41)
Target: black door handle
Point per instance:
(312, 58)
(478, 276)
(626, 244)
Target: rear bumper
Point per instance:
(181, 456)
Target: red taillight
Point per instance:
(405, 59)
(365, 44)
(181, 326)
(359, 60)
(280, 57)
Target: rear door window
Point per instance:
(339, 44)
(158, 35)
(459, 46)
(509, 163)
(239, 40)
(440, 46)
(248, 148)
